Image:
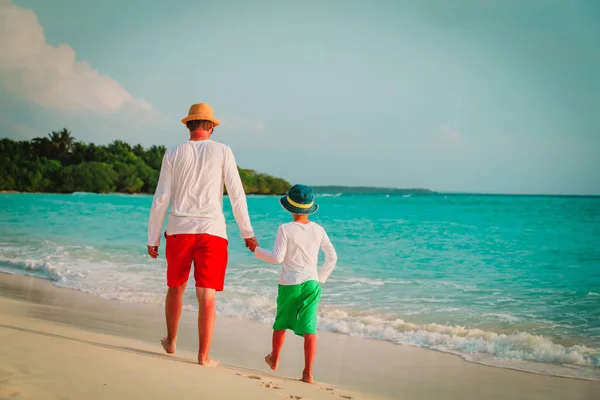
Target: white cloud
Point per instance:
(51, 76)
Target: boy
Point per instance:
(297, 248)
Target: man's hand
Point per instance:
(251, 243)
(153, 251)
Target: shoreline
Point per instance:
(552, 369)
(543, 368)
(360, 365)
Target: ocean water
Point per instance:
(512, 281)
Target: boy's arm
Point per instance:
(278, 254)
(330, 258)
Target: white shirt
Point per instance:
(192, 176)
(297, 248)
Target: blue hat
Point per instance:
(299, 200)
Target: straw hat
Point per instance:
(201, 111)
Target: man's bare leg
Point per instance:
(173, 305)
(206, 324)
(310, 350)
(273, 358)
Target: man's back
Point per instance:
(198, 169)
(192, 178)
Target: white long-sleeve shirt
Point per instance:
(297, 248)
(191, 180)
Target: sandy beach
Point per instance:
(61, 344)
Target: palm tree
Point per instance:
(62, 143)
(42, 147)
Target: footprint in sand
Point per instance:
(270, 385)
(329, 390)
(267, 385)
(291, 396)
(249, 376)
(345, 397)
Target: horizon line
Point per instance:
(462, 192)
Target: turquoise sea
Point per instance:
(512, 281)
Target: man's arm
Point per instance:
(330, 258)
(237, 197)
(160, 205)
(278, 254)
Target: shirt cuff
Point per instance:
(154, 242)
(247, 234)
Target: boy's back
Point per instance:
(297, 248)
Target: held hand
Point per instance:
(252, 246)
(251, 243)
(153, 251)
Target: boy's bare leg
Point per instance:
(310, 350)
(273, 358)
(173, 305)
(206, 324)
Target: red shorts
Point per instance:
(209, 254)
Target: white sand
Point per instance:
(61, 344)
(41, 360)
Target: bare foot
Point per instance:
(270, 360)
(168, 345)
(207, 362)
(307, 377)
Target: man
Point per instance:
(192, 176)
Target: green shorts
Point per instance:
(297, 307)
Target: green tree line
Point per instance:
(61, 164)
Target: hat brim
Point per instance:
(200, 117)
(296, 210)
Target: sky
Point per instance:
(461, 96)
